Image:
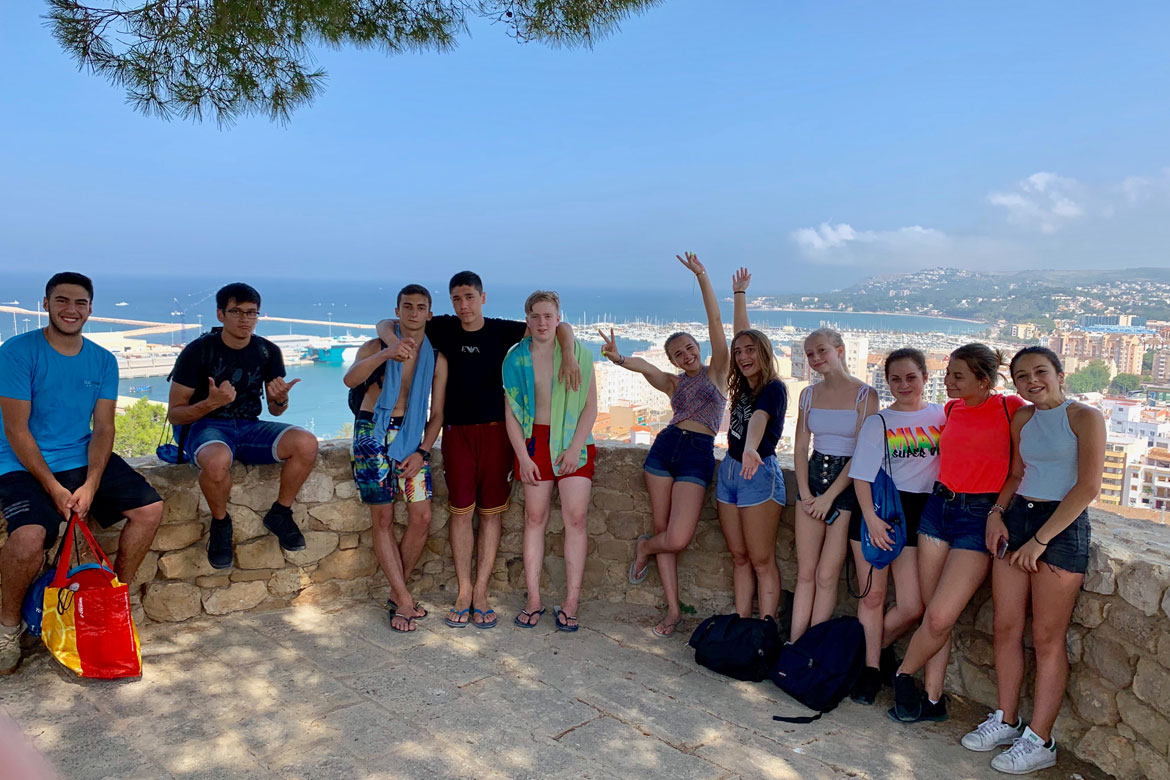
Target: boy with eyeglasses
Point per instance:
(217, 386)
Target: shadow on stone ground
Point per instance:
(306, 694)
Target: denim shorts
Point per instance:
(251, 441)
(823, 471)
(684, 455)
(958, 519)
(767, 484)
(1068, 550)
(912, 506)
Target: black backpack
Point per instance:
(739, 647)
(820, 668)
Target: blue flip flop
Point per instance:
(528, 616)
(456, 623)
(486, 623)
(563, 625)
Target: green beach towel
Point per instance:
(567, 405)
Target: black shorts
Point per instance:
(24, 502)
(912, 506)
(1068, 550)
(823, 471)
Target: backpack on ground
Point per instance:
(820, 668)
(739, 647)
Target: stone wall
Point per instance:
(1116, 713)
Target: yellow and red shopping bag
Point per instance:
(86, 622)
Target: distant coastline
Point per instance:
(881, 313)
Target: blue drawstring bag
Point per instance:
(887, 504)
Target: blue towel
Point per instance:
(414, 422)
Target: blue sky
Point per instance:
(817, 143)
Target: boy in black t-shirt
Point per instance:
(216, 390)
(477, 456)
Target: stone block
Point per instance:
(185, 564)
(1108, 750)
(1152, 685)
(181, 507)
(1089, 611)
(318, 488)
(1094, 700)
(323, 593)
(1142, 583)
(257, 497)
(285, 582)
(263, 553)
(978, 682)
(318, 544)
(596, 522)
(348, 541)
(346, 565)
(1074, 643)
(176, 536)
(252, 575)
(171, 601)
(1163, 656)
(626, 525)
(1145, 721)
(612, 501)
(147, 571)
(213, 580)
(1105, 561)
(345, 489)
(246, 524)
(1154, 765)
(342, 516)
(234, 598)
(1110, 659)
(614, 550)
(1131, 626)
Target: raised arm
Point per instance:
(740, 281)
(720, 355)
(658, 379)
(369, 356)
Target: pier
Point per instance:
(147, 328)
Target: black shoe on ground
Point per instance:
(279, 521)
(219, 543)
(867, 687)
(936, 712)
(889, 664)
(907, 700)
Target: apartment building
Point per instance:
(1148, 481)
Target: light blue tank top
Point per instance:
(1048, 447)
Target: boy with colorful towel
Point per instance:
(549, 426)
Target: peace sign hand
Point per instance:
(691, 261)
(609, 349)
(740, 280)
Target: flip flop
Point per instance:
(486, 624)
(528, 616)
(409, 622)
(392, 608)
(637, 578)
(457, 613)
(563, 625)
(668, 629)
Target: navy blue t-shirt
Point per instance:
(773, 399)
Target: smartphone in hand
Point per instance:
(1001, 548)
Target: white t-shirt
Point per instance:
(913, 441)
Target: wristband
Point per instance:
(1037, 541)
(621, 361)
(278, 404)
(423, 452)
(994, 508)
(741, 292)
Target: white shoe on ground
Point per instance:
(10, 647)
(1027, 754)
(992, 733)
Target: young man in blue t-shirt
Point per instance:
(53, 382)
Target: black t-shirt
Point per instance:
(773, 399)
(475, 386)
(247, 369)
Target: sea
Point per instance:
(318, 402)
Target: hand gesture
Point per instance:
(609, 348)
(994, 531)
(691, 261)
(568, 461)
(529, 472)
(278, 390)
(570, 373)
(740, 280)
(751, 462)
(411, 466)
(222, 394)
(1028, 556)
(80, 500)
(879, 533)
(403, 350)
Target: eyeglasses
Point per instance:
(244, 314)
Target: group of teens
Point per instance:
(990, 481)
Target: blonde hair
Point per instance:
(542, 296)
(834, 339)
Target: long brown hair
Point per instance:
(737, 383)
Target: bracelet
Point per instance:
(994, 507)
(741, 292)
(423, 452)
(278, 404)
(621, 361)
(1037, 541)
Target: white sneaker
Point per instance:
(10, 648)
(1027, 754)
(992, 733)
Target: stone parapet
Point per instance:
(1116, 712)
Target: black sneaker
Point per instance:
(936, 712)
(219, 543)
(889, 664)
(867, 687)
(279, 521)
(907, 700)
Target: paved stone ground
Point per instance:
(304, 694)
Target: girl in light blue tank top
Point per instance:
(1040, 530)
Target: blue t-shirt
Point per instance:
(63, 391)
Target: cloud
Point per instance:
(1044, 201)
(828, 237)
